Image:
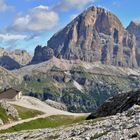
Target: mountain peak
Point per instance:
(96, 35)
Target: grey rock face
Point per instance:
(95, 35)
(42, 54)
(134, 28)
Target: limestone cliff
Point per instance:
(95, 35)
(134, 28)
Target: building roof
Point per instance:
(9, 94)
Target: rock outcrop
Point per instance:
(96, 35)
(10, 110)
(134, 28)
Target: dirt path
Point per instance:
(6, 126)
(33, 103)
(36, 104)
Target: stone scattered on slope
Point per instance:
(122, 126)
(56, 105)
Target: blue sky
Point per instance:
(28, 23)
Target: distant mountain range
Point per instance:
(14, 59)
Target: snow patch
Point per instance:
(78, 86)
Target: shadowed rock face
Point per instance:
(134, 28)
(95, 35)
(9, 63)
(117, 104)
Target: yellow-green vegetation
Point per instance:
(3, 115)
(25, 113)
(49, 122)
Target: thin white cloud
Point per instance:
(41, 7)
(38, 19)
(11, 37)
(4, 6)
(65, 5)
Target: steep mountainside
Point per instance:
(14, 59)
(7, 79)
(96, 35)
(134, 28)
(81, 86)
(117, 104)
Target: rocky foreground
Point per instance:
(122, 126)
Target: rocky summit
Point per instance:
(96, 35)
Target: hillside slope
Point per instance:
(81, 86)
(8, 79)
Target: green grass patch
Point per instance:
(49, 122)
(25, 113)
(3, 115)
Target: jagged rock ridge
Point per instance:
(14, 59)
(95, 35)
